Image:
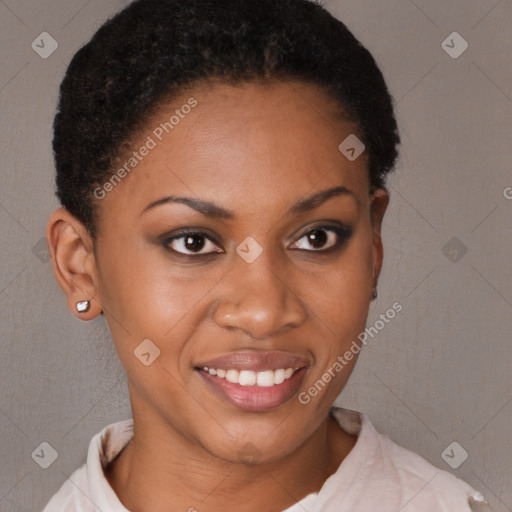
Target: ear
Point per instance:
(379, 201)
(74, 264)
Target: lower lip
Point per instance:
(255, 398)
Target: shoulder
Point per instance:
(425, 485)
(408, 480)
(88, 486)
(71, 493)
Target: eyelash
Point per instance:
(343, 233)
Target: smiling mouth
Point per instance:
(253, 391)
(265, 378)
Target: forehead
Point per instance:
(246, 145)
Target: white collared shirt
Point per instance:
(376, 476)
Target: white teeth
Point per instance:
(265, 378)
(247, 378)
(279, 376)
(232, 376)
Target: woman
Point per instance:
(221, 167)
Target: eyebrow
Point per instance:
(210, 209)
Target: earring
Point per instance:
(374, 295)
(83, 306)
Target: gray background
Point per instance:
(438, 373)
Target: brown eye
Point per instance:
(323, 238)
(317, 238)
(192, 243)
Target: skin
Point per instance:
(255, 149)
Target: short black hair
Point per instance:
(152, 49)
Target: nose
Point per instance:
(259, 299)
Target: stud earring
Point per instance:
(83, 306)
(374, 295)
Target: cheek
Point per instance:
(340, 303)
(151, 297)
(342, 294)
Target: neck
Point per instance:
(159, 470)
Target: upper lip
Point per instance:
(255, 361)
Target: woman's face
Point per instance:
(277, 273)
